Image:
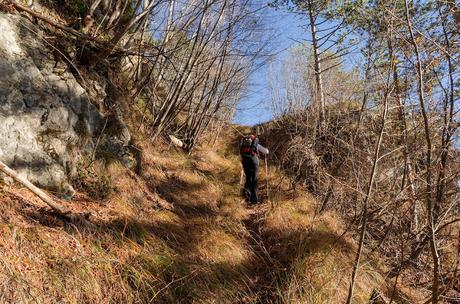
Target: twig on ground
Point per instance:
(38, 192)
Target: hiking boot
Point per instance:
(246, 193)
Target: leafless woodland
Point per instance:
(366, 110)
(379, 142)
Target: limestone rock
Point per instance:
(45, 114)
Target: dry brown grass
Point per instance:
(315, 258)
(133, 250)
(177, 232)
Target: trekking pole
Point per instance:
(266, 176)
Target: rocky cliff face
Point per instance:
(47, 121)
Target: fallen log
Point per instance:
(35, 190)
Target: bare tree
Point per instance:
(370, 185)
(429, 191)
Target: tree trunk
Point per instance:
(319, 98)
(368, 196)
(429, 200)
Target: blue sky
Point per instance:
(255, 107)
(291, 29)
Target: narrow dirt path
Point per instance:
(267, 266)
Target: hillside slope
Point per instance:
(178, 231)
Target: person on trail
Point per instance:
(249, 151)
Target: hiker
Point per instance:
(249, 151)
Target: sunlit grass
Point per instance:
(205, 246)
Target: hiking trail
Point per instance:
(179, 231)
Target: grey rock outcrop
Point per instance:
(46, 117)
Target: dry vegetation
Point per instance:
(178, 232)
(378, 143)
(334, 166)
(177, 229)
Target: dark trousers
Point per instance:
(251, 170)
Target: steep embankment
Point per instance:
(177, 232)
